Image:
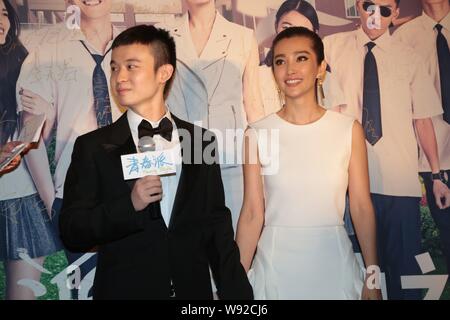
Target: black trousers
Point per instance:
(399, 241)
(88, 265)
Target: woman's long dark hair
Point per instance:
(12, 55)
(301, 6)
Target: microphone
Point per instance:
(146, 143)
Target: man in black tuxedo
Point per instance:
(157, 236)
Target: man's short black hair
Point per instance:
(160, 41)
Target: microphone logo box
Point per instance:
(157, 163)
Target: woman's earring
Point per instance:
(280, 94)
(280, 97)
(320, 88)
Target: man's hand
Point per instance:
(145, 191)
(441, 194)
(370, 294)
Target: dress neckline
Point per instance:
(311, 124)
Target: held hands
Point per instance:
(370, 294)
(372, 284)
(441, 194)
(145, 191)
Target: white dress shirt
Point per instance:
(61, 72)
(406, 93)
(169, 182)
(420, 34)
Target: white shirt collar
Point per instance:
(430, 23)
(135, 119)
(383, 42)
(78, 35)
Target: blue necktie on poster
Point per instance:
(102, 103)
(444, 71)
(371, 117)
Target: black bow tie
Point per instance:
(164, 129)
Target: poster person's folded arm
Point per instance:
(86, 221)
(33, 104)
(32, 78)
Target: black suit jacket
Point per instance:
(138, 256)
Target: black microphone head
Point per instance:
(146, 143)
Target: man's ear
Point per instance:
(165, 72)
(395, 14)
(358, 7)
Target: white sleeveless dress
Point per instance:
(304, 251)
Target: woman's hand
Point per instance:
(6, 152)
(35, 104)
(370, 294)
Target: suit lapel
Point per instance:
(120, 143)
(181, 34)
(187, 175)
(127, 148)
(216, 48)
(214, 56)
(209, 66)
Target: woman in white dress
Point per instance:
(299, 163)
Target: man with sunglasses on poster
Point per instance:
(388, 89)
(429, 35)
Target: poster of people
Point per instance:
(322, 129)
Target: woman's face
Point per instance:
(295, 67)
(4, 23)
(94, 9)
(195, 3)
(293, 19)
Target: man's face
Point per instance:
(376, 16)
(94, 9)
(134, 81)
(194, 3)
(293, 19)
